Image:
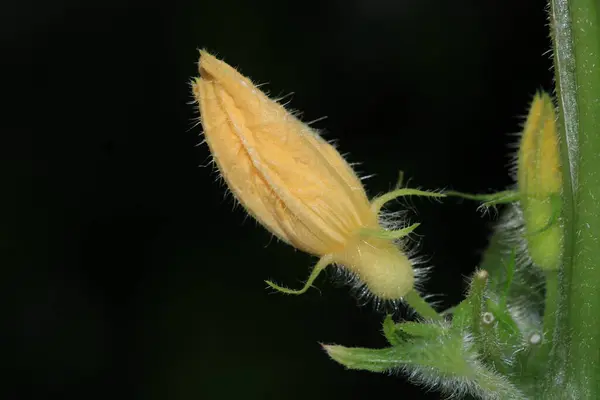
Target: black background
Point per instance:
(125, 271)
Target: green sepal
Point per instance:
(399, 333)
(393, 335)
(421, 330)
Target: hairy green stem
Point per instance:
(575, 356)
(504, 197)
(551, 302)
(550, 307)
(414, 300)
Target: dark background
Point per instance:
(125, 271)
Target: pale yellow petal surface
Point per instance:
(231, 159)
(539, 166)
(284, 174)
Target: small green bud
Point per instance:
(540, 182)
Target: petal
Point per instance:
(286, 176)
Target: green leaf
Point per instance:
(466, 317)
(448, 362)
(462, 317)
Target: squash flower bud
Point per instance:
(296, 184)
(539, 183)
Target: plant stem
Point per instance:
(575, 356)
(419, 304)
(550, 306)
(550, 314)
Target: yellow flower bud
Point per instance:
(539, 181)
(293, 182)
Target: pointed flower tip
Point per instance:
(211, 68)
(292, 181)
(539, 163)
